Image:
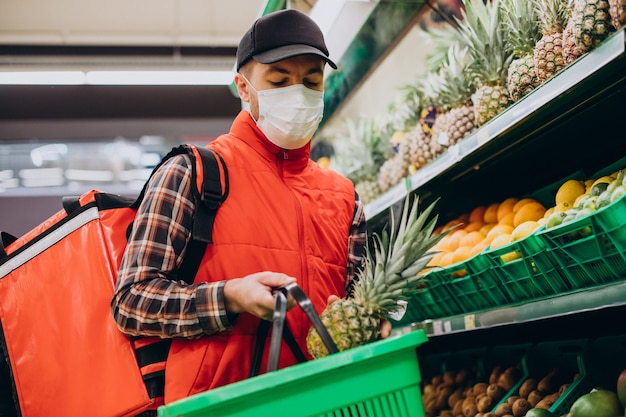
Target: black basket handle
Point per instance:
(280, 312)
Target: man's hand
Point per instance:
(254, 293)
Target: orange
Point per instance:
(531, 211)
(435, 260)
(446, 259)
(473, 226)
(486, 228)
(500, 229)
(453, 224)
(506, 207)
(462, 253)
(522, 203)
(464, 218)
(455, 239)
(479, 247)
(491, 213)
(477, 214)
(507, 219)
(471, 239)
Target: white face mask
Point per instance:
(289, 116)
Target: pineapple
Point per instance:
(359, 154)
(548, 51)
(390, 274)
(617, 10)
(591, 23)
(394, 169)
(571, 51)
(521, 26)
(456, 92)
(480, 30)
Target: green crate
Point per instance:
(376, 380)
(527, 270)
(568, 356)
(432, 300)
(474, 285)
(592, 249)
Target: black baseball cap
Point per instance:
(281, 35)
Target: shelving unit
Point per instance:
(571, 123)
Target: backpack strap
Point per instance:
(207, 171)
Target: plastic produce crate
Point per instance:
(473, 284)
(432, 300)
(527, 270)
(592, 249)
(375, 380)
(571, 358)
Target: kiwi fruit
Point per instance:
(470, 410)
(510, 400)
(485, 404)
(527, 387)
(495, 392)
(520, 407)
(534, 397)
(503, 409)
(479, 387)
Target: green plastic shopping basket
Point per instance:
(380, 379)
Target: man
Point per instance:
(285, 219)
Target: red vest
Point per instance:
(284, 213)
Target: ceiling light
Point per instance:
(159, 77)
(116, 77)
(42, 77)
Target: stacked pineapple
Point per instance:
(456, 92)
(390, 275)
(521, 26)
(591, 22)
(617, 10)
(482, 34)
(548, 51)
(359, 154)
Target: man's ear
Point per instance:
(242, 87)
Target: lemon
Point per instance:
(525, 229)
(568, 191)
(511, 256)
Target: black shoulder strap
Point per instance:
(210, 197)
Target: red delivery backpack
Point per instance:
(64, 354)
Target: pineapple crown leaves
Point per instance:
(360, 151)
(392, 265)
(438, 39)
(457, 86)
(520, 20)
(481, 31)
(431, 85)
(553, 15)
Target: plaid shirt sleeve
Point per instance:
(357, 244)
(150, 299)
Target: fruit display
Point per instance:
(467, 393)
(576, 199)
(501, 52)
(390, 273)
(571, 378)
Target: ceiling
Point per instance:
(120, 35)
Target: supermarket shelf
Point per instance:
(589, 78)
(596, 298)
